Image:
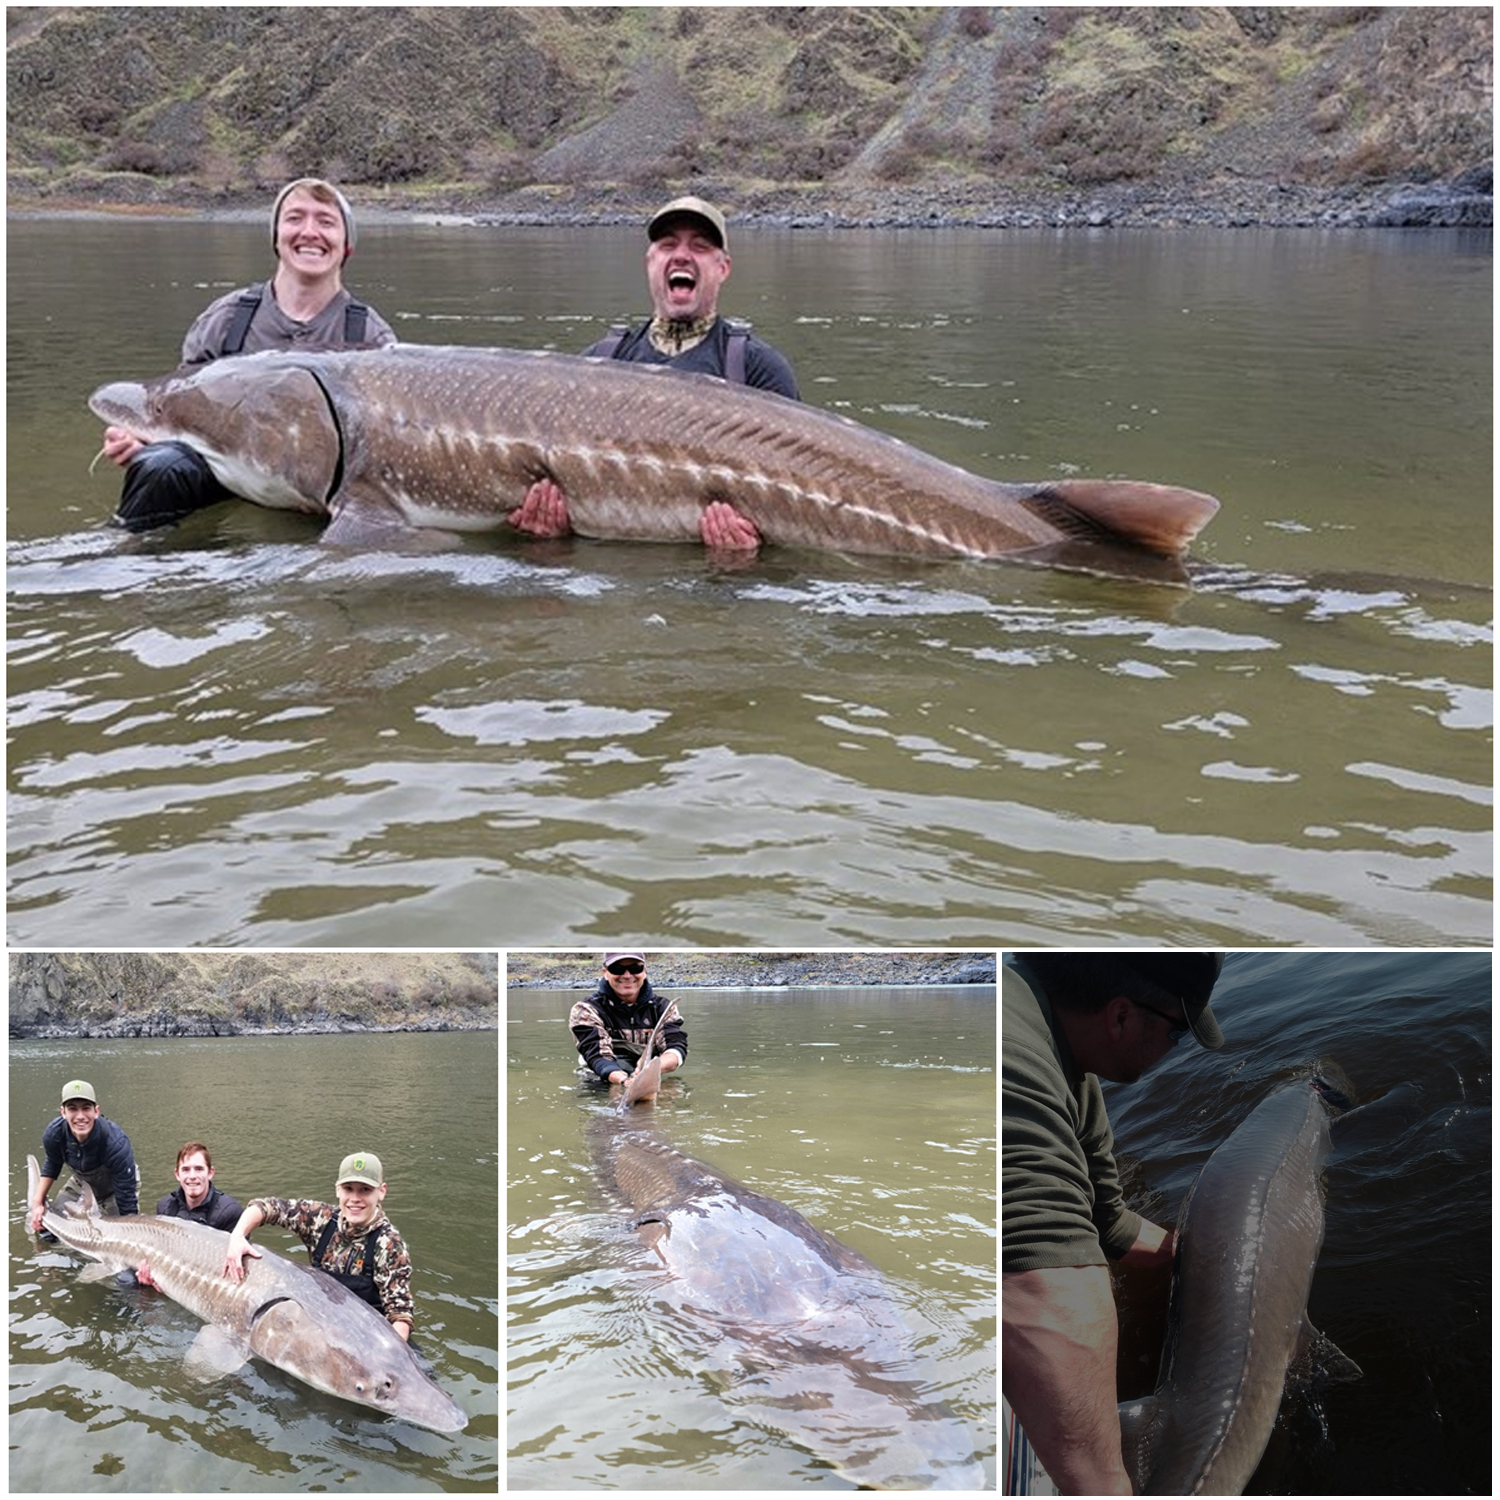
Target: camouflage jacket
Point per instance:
(611, 1034)
(307, 1218)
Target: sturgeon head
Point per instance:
(264, 424)
(324, 1338)
(301, 1321)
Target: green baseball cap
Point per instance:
(361, 1167)
(76, 1088)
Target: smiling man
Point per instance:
(613, 1026)
(352, 1241)
(196, 1197)
(304, 306)
(95, 1148)
(687, 263)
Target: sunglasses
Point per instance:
(630, 966)
(1179, 1028)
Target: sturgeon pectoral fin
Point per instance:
(1318, 1360)
(214, 1354)
(1159, 517)
(372, 525)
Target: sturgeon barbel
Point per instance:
(300, 1321)
(1248, 1241)
(407, 436)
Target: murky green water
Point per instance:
(227, 736)
(99, 1398)
(870, 1111)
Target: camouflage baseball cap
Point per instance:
(361, 1167)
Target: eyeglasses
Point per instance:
(629, 966)
(1179, 1028)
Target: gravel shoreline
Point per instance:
(678, 971)
(1461, 202)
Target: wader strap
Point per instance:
(734, 350)
(609, 345)
(356, 314)
(239, 324)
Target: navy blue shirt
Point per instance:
(218, 1210)
(765, 368)
(106, 1145)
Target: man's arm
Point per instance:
(1153, 1247)
(239, 1246)
(38, 1205)
(1058, 1369)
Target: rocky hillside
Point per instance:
(787, 110)
(670, 971)
(227, 994)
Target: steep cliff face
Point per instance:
(462, 105)
(221, 994)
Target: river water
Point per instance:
(225, 735)
(1404, 1284)
(99, 1399)
(869, 1111)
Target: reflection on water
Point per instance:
(223, 735)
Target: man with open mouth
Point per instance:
(687, 262)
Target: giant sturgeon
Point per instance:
(300, 1321)
(1248, 1240)
(417, 436)
(823, 1353)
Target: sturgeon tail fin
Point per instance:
(1162, 518)
(645, 1081)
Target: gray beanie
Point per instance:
(317, 185)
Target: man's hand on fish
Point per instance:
(121, 446)
(544, 511)
(1154, 1246)
(724, 529)
(234, 1256)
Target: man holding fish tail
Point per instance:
(614, 1026)
(1070, 1020)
